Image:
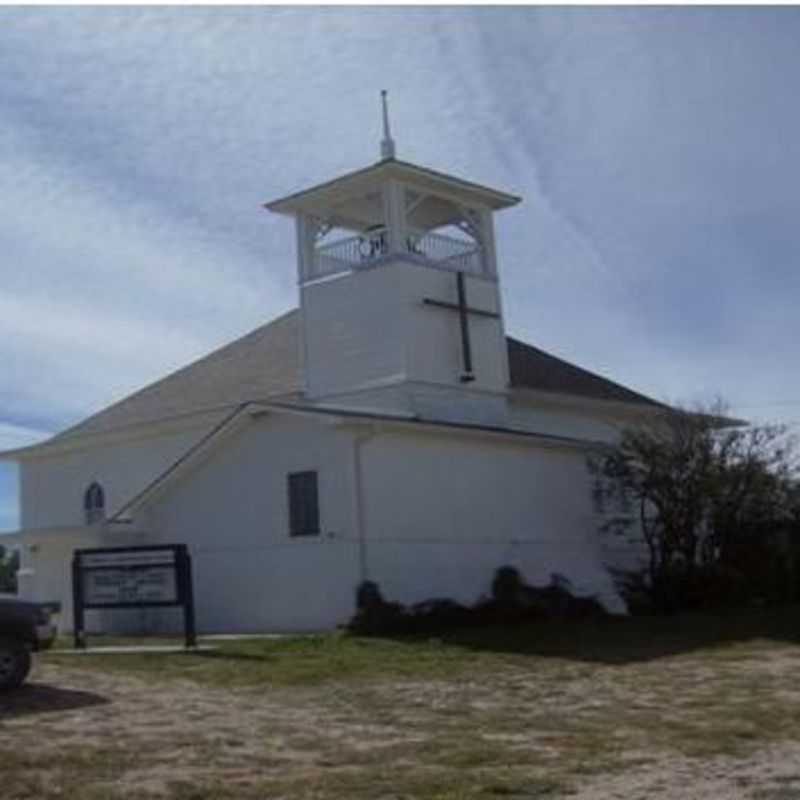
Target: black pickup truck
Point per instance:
(24, 627)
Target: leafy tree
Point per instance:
(712, 497)
(9, 564)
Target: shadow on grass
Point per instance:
(231, 655)
(313, 660)
(41, 698)
(605, 640)
(623, 640)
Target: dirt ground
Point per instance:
(685, 727)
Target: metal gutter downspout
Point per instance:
(358, 442)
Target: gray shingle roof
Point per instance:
(265, 364)
(532, 368)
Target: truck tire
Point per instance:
(15, 663)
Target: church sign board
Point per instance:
(154, 576)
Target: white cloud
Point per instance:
(13, 436)
(655, 150)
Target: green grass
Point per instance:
(315, 659)
(292, 661)
(518, 712)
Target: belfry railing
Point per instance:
(435, 249)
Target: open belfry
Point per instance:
(399, 291)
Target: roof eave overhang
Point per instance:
(23, 453)
(368, 177)
(136, 431)
(630, 408)
(382, 421)
(627, 407)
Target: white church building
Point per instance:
(387, 429)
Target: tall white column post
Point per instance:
(305, 228)
(487, 241)
(394, 216)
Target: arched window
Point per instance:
(94, 503)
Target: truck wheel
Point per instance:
(15, 663)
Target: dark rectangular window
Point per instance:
(303, 504)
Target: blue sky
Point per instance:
(657, 151)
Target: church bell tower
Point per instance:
(399, 295)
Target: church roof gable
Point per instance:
(260, 364)
(265, 364)
(532, 368)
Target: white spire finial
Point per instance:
(387, 143)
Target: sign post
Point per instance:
(157, 576)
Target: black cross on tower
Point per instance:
(463, 313)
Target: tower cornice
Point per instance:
(364, 179)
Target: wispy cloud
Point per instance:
(656, 149)
(13, 436)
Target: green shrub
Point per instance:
(512, 601)
(703, 588)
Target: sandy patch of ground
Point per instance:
(673, 728)
(771, 773)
